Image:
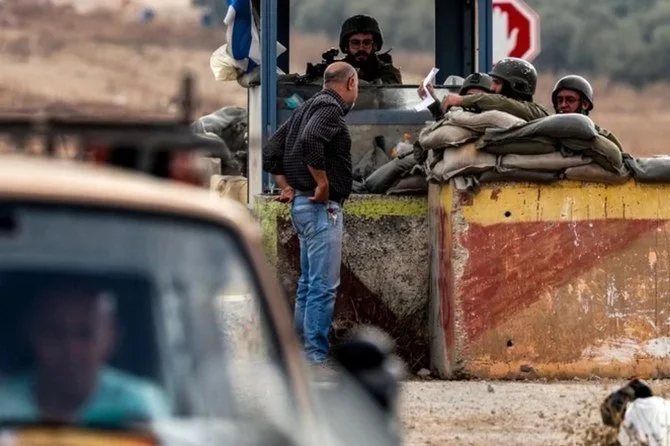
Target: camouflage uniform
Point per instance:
(527, 111)
(583, 87)
(378, 68)
(519, 80)
(475, 80)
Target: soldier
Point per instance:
(476, 83)
(513, 86)
(360, 39)
(574, 94)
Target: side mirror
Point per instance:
(369, 357)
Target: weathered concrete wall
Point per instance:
(559, 281)
(385, 266)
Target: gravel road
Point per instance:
(505, 413)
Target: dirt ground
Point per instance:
(481, 413)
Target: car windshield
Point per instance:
(114, 318)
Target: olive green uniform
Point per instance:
(528, 111)
(609, 135)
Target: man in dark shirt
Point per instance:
(310, 157)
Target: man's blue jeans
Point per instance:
(319, 228)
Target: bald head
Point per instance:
(338, 73)
(342, 78)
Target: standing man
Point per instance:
(310, 157)
(574, 94)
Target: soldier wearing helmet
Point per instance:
(574, 94)
(476, 83)
(513, 85)
(360, 39)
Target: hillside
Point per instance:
(104, 62)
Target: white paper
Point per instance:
(428, 99)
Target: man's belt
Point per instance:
(310, 193)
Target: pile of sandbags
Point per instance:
(228, 126)
(379, 173)
(495, 146)
(654, 169)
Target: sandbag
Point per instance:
(461, 161)
(601, 150)
(594, 173)
(413, 185)
(223, 65)
(228, 164)
(530, 176)
(358, 188)
(655, 169)
(388, 175)
(420, 154)
(568, 125)
(441, 134)
(229, 123)
(550, 161)
(526, 146)
(479, 122)
(230, 186)
(372, 160)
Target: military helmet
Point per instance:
(575, 83)
(360, 24)
(520, 74)
(453, 83)
(476, 80)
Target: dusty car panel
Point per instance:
(75, 185)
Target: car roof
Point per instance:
(65, 181)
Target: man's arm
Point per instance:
(486, 102)
(321, 128)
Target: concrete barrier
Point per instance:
(557, 281)
(385, 266)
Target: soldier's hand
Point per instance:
(451, 100)
(428, 90)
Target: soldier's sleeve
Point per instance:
(436, 110)
(609, 135)
(486, 102)
(390, 75)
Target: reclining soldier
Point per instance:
(574, 94)
(476, 83)
(513, 86)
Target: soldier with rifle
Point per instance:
(361, 40)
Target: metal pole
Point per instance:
(268, 37)
(485, 28)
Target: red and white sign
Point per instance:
(516, 30)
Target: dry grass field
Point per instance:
(105, 61)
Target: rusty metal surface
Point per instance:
(554, 281)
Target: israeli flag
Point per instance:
(243, 37)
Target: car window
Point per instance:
(117, 317)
